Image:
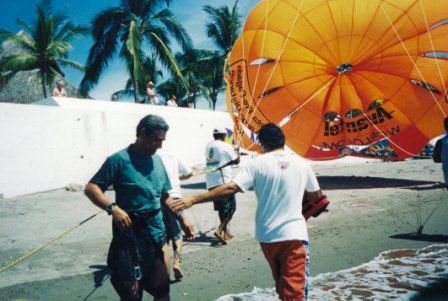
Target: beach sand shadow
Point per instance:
(99, 276)
(356, 182)
(422, 237)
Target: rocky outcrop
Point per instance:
(25, 87)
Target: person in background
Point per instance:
(219, 156)
(280, 179)
(138, 254)
(59, 89)
(152, 95)
(172, 102)
(440, 154)
(176, 170)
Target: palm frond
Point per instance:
(169, 56)
(178, 32)
(18, 62)
(25, 25)
(71, 64)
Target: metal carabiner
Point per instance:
(137, 272)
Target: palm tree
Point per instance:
(128, 28)
(150, 72)
(45, 47)
(194, 66)
(223, 30)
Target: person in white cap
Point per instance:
(153, 99)
(219, 156)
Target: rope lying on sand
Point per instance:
(49, 242)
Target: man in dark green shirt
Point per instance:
(137, 256)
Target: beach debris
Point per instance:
(75, 187)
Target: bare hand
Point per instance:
(182, 204)
(188, 228)
(121, 219)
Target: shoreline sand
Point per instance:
(374, 209)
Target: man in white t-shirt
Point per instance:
(219, 156)
(279, 179)
(176, 170)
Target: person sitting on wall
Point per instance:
(172, 102)
(59, 90)
(152, 95)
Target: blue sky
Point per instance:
(81, 12)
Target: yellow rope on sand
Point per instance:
(49, 242)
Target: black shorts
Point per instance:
(224, 204)
(121, 261)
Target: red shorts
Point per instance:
(289, 264)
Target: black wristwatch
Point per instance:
(110, 208)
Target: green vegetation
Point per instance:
(127, 29)
(44, 45)
(141, 33)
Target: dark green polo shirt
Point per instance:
(139, 182)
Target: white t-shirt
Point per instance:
(218, 153)
(174, 168)
(171, 103)
(280, 179)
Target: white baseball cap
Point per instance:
(219, 130)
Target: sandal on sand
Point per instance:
(178, 273)
(220, 238)
(228, 236)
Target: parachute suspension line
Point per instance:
(410, 57)
(49, 242)
(229, 102)
(280, 55)
(390, 141)
(290, 115)
(392, 213)
(259, 66)
(419, 213)
(441, 202)
(433, 48)
(240, 135)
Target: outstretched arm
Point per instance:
(214, 194)
(185, 224)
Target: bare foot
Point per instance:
(220, 237)
(177, 271)
(228, 236)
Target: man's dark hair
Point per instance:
(445, 123)
(151, 123)
(219, 136)
(271, 136)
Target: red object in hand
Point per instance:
(314, 204)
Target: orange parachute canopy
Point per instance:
(340, 73)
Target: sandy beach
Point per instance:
(375, 207)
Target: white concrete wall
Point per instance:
(48, 147)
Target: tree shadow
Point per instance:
(99, 276)
(422, 237)
(357, 182)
